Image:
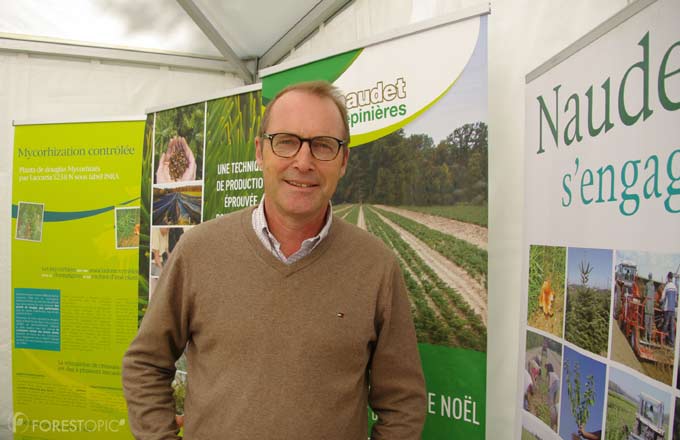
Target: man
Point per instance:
(293, 320)
(650, 290)
(669, 299)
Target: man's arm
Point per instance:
(397, 393)
(149, 363)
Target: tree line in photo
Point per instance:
(400, 169)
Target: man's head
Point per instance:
(299, 187)
(670, 276)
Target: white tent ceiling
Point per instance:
(236, 36)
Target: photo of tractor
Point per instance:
(645, 313)
(648, 420)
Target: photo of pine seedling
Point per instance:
(233, 124)
(127, 227)
(542, 377)
(178, 144)
(635, 409)
(545, 298)
(642, 338)
(582, 403)
(589, 283)
(30, 221)
(422, 190)
(177, 205)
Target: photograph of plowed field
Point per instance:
(445, 272)
(427, 202)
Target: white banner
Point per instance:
(602, 233)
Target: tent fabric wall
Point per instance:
(522, 35)
(49, 89)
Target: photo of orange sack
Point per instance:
(546, 298)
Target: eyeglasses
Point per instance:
(287, 145)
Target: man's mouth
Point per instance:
(300, 184)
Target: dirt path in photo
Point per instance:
(360, 220)
(454, 276)
(474, 234)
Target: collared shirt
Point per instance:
(272, 244)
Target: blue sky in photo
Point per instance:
(587, 367)
(599, 259)
(658, 264)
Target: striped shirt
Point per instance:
(272, 244)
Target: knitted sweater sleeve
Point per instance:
(149, 363)
(397, 386)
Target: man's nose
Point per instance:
(304, 158)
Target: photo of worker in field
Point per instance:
(635, 409)
(644, 324)
(163, 241)
(589, 284)
(178, 144)
(542, 378)
(582, 407)
(30, 221)
(545, 296)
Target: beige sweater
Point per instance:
(277, 351)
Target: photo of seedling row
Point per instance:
(177, 206)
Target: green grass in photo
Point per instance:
(127, 227)
(233, 124)
(29, 221)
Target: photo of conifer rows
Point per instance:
(428, 202)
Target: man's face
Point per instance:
(299, 188)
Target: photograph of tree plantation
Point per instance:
(643, 333)
(635, 409)
(545, 300)
(582, 403)
(427, 200)
(589, 281)
(543, 378)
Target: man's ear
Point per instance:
(258, 151)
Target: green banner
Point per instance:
(417, 179)
(75, 237)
